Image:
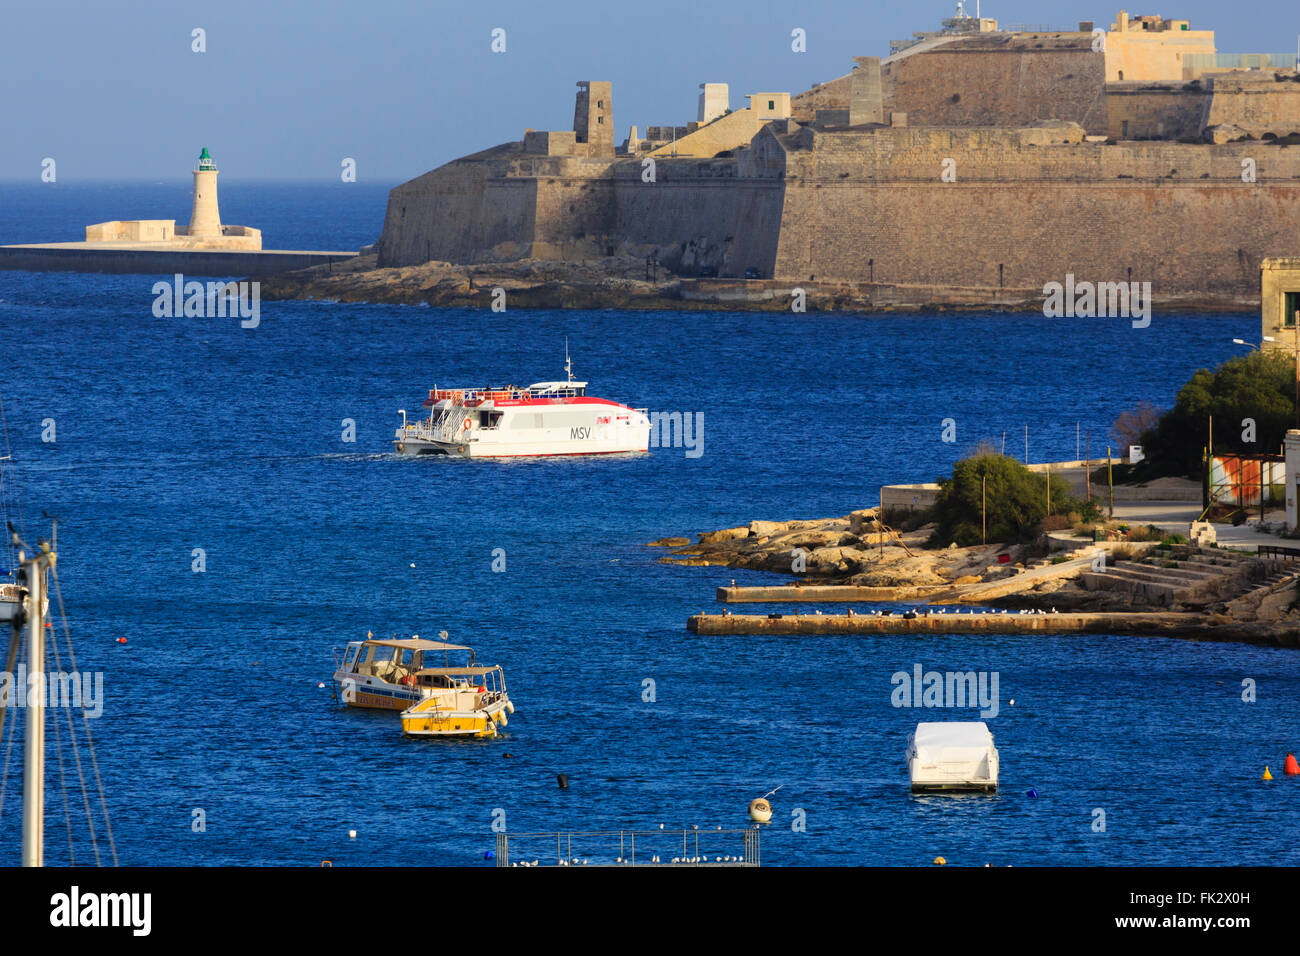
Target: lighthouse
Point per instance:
(205, 220)
(205, 230)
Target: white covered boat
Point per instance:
(956, 755)
(545, 418)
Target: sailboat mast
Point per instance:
(34, 745)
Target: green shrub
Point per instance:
(1148, 533)
(1055, 522)
(1016, 501)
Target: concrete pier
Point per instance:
(823, 593)
(1166, 624)
(147, 259)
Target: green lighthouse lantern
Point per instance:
(205, 160)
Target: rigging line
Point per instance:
(15, 639)
(63, 781)
(72, 736)
(90, 741)
(8, 450)
(4, 772)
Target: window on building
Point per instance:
(1290, 306)
(771, 104)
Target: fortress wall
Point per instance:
(574, 213)
(1005, 86)
(464, 211)
(998, 156)
(999, 81)
(694, 216)
(936, 234)
(1133, 112)
(1258, 105)
(871, 206)
(831, 95)
(731, 131)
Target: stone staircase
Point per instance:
(1182, 574)
(1271, 597)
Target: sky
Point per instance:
(288, 89)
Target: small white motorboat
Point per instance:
(956, 755)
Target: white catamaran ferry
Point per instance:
(546, 418)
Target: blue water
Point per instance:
(176, 434)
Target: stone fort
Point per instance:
(972, 156)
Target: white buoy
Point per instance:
(760, 810)
(352, 834)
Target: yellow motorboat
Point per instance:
(458, 702)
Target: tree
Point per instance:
(1133, 425)
(1258, 388)
(1015, 498)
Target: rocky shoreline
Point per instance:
(854, 553)
(625, 282)
(851, 550)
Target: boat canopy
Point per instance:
(541, 388)
(416, 644)
(507, 393)
(945, 740)
(458, 671)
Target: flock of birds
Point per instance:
(943, 613)
(914, 613)
(696, 860)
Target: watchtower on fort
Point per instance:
(593, 117)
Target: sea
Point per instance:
(231, 512)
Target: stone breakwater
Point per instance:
(1186, 626)
(624, 283)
